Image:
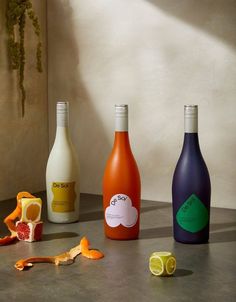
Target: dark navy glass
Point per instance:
(190, 177)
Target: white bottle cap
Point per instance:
(190, 118)
(121, 120)
(62, 113)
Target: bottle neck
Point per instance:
(62, 123)
(62, 132)
(191, 143)
(190, 119)
(121, 118)
(121, 138)
(121, 142)
(62, 115)
(190, 125)
(121, 124)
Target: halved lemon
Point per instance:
(162, 263)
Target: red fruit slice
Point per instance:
(23, 231)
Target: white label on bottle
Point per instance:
(121, 211)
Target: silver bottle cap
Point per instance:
(121, 118)
(191, 118)
(62, 113)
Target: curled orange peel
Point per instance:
(10, 219)
(86, 252)
(64, 258)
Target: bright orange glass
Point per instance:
(121, 178)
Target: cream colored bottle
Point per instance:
(62, 173)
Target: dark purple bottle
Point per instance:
(191, 187)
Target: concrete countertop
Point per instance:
(204, 272)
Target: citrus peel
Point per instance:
(64, 258)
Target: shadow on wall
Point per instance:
(66, 82)
(209, 16)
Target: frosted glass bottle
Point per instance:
(121, 184)
(62, 173)
(191, 187)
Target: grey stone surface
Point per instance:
(204, 272)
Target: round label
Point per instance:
(121, 212)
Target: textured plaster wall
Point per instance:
(155, 56)
(23, 141)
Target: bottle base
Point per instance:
(122, 239)
(205, 241)
(63, 221)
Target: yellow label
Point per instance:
(63, 197)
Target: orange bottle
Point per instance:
(121, 184)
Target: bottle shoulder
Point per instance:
(120, 159)
(191, 169)
(62, 159)
(63, 148)
(191, 159)
(120, 170)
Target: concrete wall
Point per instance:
(23, 141)
(155, 56)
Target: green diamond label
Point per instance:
(192, 216)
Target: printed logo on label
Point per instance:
(121, 211)
(192, 216)
(63, 197)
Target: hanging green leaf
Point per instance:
(16, 13)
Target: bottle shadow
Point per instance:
(219, 226)
(160, 232)
(85, 119)
(221, 237)
(215, 235)
(52, 236)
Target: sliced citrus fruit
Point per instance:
(31, 209)
(170, 265)
(162, 263)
